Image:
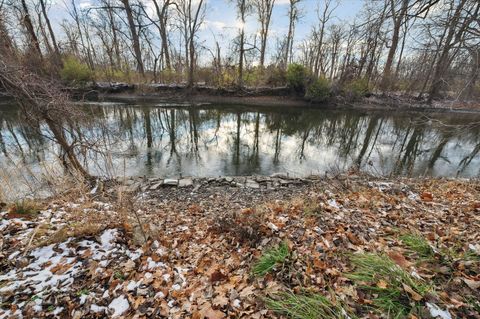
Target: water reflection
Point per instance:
(210, 141)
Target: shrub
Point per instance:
(305, 306)
(270, 259)
(74, 71)
(392, 289)
(356, 89)
(296, 77)
(318, 91)
(274, 76)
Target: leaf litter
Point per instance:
(203, 246)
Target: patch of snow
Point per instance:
(57, 311)
(134, 255)
(119, 306)
(132, 285)
(97, 309)
(236, 303)
(159, 295)
(333, 203)
(436, 312)
(107, 238)
(475, 248)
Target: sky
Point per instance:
(221, 23)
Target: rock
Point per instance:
(252, 184)
(170, 181)
(133, 188)
(185, 182)
(229, 179)
(237, 184)
(156, 186)
(280, 175)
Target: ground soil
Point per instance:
(190, 252)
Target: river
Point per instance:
(164, 140)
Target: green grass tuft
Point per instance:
(371, 269)
(418, 244)
(305, 306)
(24, 207)
(270, 259)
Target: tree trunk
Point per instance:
(135, 39)
(52, 34)
(30, 29)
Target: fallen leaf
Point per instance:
(208, 312)
(247, 291)
(354, 239)
(413, 294)
(472, 284)
(216, 276)
(426, 197)
(382, 284)
(220, 301)
(399, 259)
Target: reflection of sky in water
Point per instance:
(219, 141)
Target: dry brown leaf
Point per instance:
(412, 293)
(220, 301)
(382, 284)
(426, 196)
(208, 312)
(247, 291)
(354, 239)
(472, 284)
(399, 259)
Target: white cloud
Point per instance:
(85, 4)
(218, 25)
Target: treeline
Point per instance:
(424, 48)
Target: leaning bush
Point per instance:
(75, 72)
(296, 77)
(318, 91)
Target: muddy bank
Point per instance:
(280, 96)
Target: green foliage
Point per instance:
(305, 306)
(74, 71)
(270, 259)
(418, 244)
(356, 89)
(253, 76)
(318, 91)
(119, 275)
(386, 281)
(296, 77)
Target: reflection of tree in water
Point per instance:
(372, 124)
(304, 135)
(409, 150)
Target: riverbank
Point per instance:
(247, 247)
(276, 96)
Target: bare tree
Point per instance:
(264, 10)
(191, 17)
(134, 36)
(293, 16)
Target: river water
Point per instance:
(171, 141)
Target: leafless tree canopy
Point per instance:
(424, 48)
